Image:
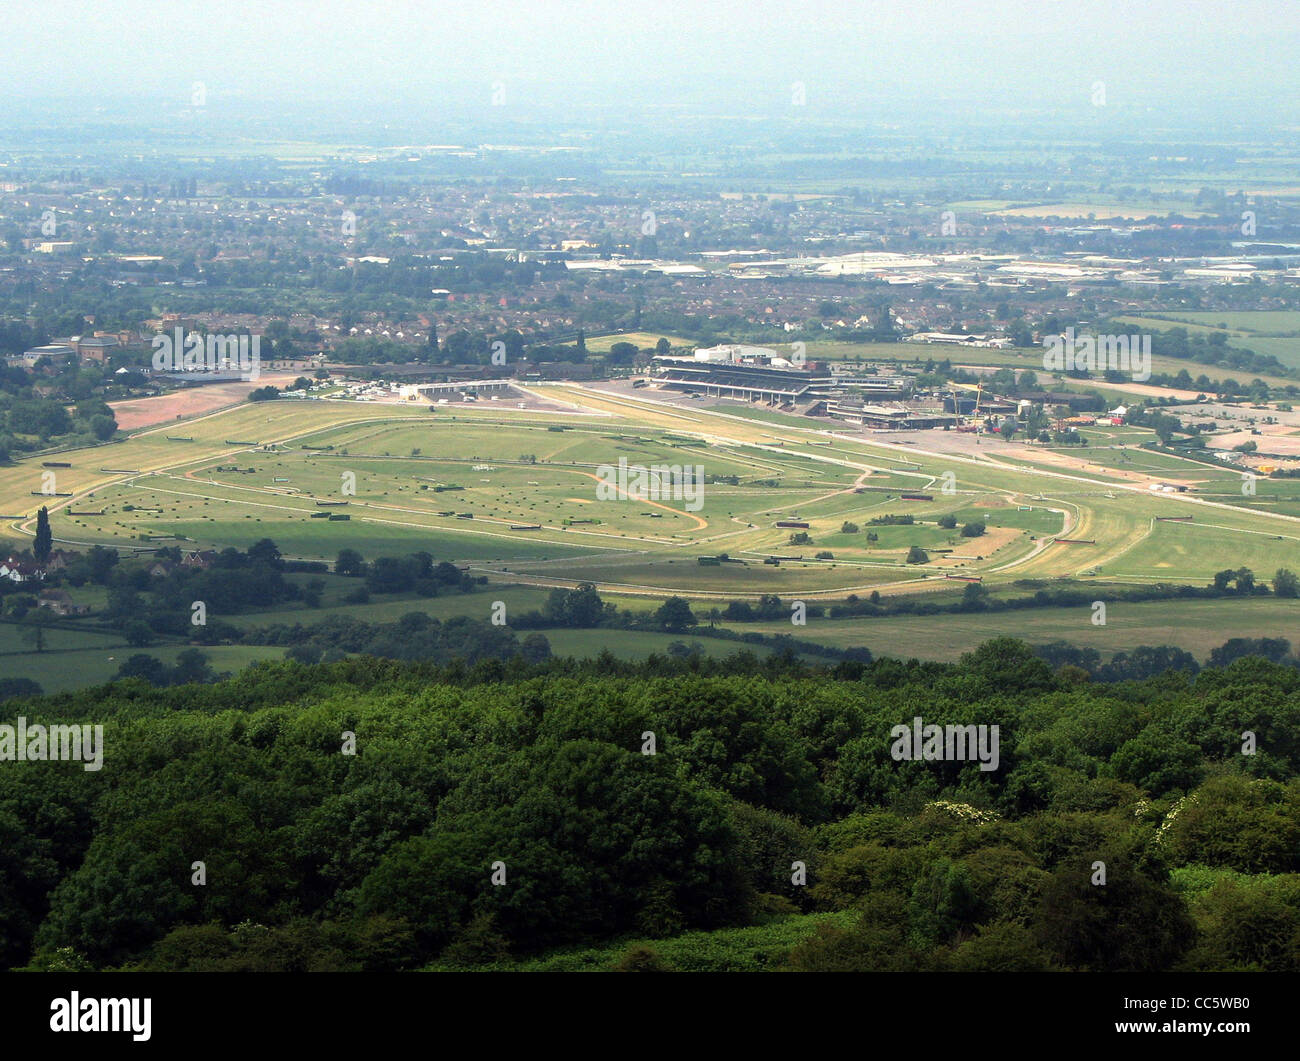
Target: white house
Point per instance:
(16, 570)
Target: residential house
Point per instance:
(60, 602)
(20, 571)
(61, 559)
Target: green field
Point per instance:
(1261, 322)
(1197, 626)
(1285, 349)
(1272, 332)
(74, 659)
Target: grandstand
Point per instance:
(727, 379)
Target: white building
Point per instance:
(735, 354)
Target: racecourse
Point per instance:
(516, 494)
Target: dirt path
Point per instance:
(132, 414)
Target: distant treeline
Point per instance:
(415, 636)
(1209, 348)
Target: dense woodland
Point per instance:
(613, 858)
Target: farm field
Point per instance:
(1087, 209)
(1198, 626)
(1262, 322)
(73, 660)
(1031, 358)
(1264, 332)
(386, 608)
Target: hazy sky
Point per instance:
(1193, 51)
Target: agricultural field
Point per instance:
(1101, 211)
(1258, 322)
(1272, 332)
(1030, 359)
(1197, 626)
(76, 659)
